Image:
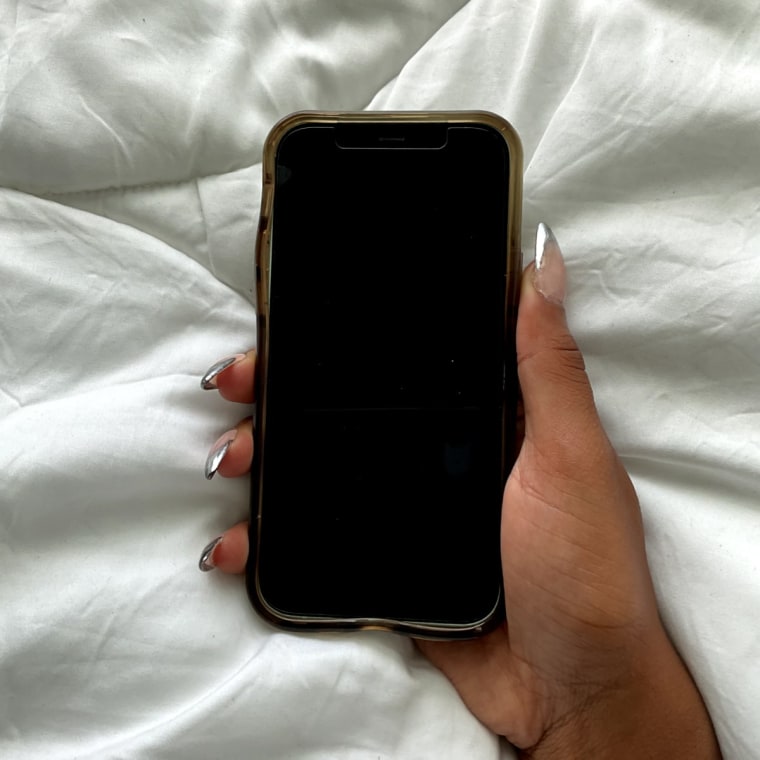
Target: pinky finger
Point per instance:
(228, 552)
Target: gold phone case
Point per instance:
(263, 256)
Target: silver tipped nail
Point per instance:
(544, 236)
(549, 275)
(206, 561)
(208, 381)
(215, 456)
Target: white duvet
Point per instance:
(130, 141)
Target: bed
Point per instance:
(130, 148)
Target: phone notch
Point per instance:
(389, 136)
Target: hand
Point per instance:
(583, 666)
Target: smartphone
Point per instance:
(388, 268)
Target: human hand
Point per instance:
(583, 666)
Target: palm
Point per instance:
(576, 589)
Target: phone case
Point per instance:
(263, 254)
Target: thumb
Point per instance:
(559, 403)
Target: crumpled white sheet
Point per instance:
(130, 136)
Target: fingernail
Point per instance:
(549, 276)
(208, 381)
(206, 561)
(218, 452)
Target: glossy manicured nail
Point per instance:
(218, 452)
(206, 561)
(549, 276)
(208, 381)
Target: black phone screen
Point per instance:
(383, 442)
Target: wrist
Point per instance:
(657, 713)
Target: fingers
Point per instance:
(559, 403)
(233, 377)
(228, 552)
(230, 456)
(232, 453)
(567, 459)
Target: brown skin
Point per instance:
(584, 667)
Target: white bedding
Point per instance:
(130, 136)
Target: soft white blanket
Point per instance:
(130, 136)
